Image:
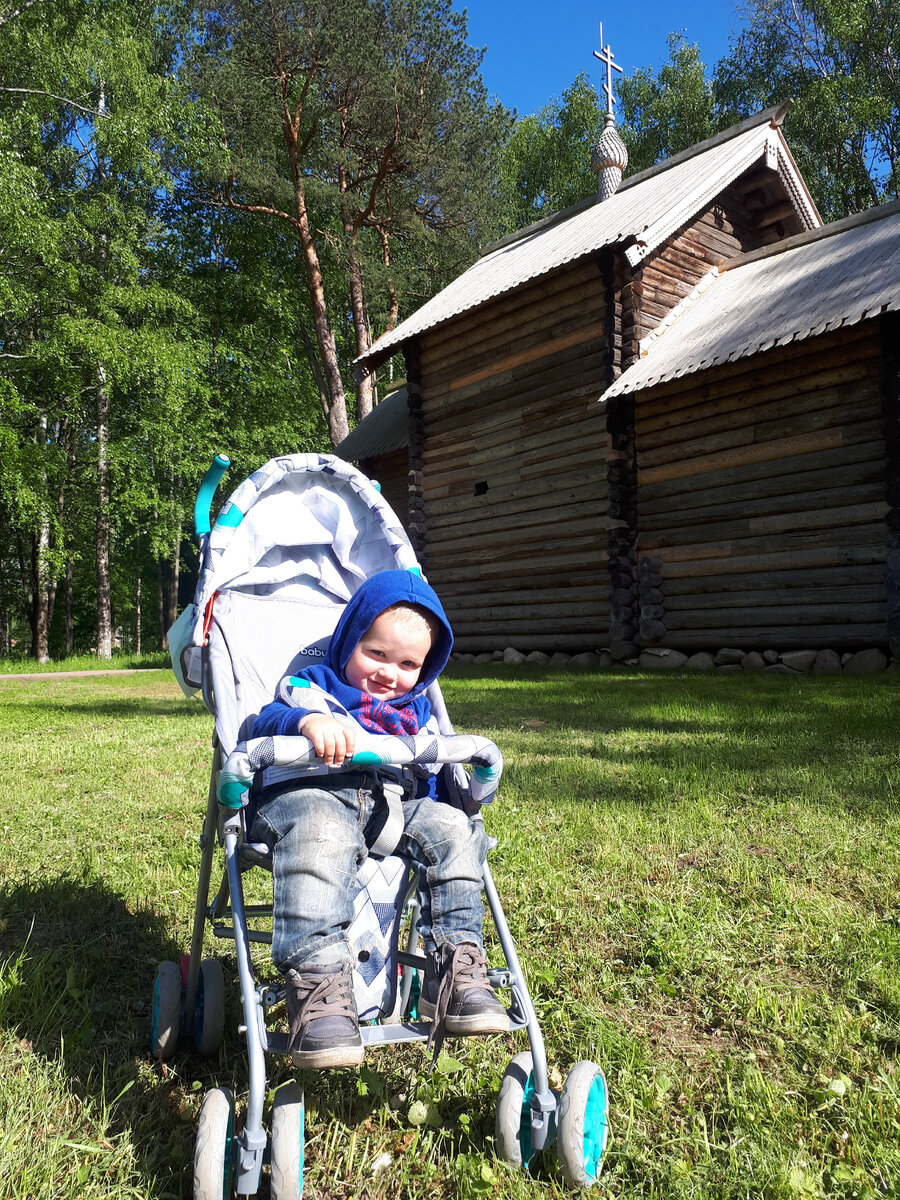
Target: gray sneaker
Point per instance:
(457, 997)
(322, 1016)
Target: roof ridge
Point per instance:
(773, 115)
(768, 116)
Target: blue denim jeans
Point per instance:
(316, 833)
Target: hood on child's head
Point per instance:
(377, 593)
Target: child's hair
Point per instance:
(413, 616)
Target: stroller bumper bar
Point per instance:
(379, 750)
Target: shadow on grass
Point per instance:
(128, 707)
(76, 980)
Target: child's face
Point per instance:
(388, 658)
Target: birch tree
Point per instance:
(840, 61)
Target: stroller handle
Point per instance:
(371, 751)
(205, 493)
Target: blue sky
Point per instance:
(535, 48)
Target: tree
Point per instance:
(665, 112)
(82, 323)
(546, 163)
(341, 121)
(840, 60)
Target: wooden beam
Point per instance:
(806, 443)
(890, 365)
(775, 598)
(765, 559)
(802, 580)
(807, 468)
(799, 636)
(849, 395)
(579, 337)
(784, 362)
(795, 523)
(776, 505)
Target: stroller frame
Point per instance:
(530, 1117)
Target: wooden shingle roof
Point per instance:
(384, 430)
(798, 288)
(647, 209)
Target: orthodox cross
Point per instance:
(605, 55)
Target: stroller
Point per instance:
(288, 549)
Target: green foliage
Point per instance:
(364, 130)
(667, 111)
(108, 276)
(144, 154)
(839, 60)
(546, 163)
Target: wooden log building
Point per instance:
(670, 418)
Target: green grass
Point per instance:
(19, 664)
(701, 874)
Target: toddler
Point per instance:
(392, 641)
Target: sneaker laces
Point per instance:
(463, 966)
(321, 996)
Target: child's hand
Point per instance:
(333, 740)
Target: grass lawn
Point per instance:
(120, 661)
(701, 874)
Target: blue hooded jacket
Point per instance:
(404, 714)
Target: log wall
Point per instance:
(890, 348)
(724, 230)
(392, 472)
(761, 500)
(513, 467)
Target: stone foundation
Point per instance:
(786, 662)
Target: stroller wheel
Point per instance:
(166, 1019)
(213, 1155)
(209, 1010)
(512, 1130)
(582, 1124)
(286, 1163)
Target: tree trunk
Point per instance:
(39, 581)
(40, 586)
(337, 405)
(161, 608)
(358, 309)
(137, 616)
(70, 623)
(336, 401)
(394, 311)
(4, 620)
(104, 591)
(4, 601)
(65, 441)
(172, 598)
(26, 580)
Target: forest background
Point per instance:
(208, 211)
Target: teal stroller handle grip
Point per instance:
(371, 751)
(207, 489)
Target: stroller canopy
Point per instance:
(288, 550)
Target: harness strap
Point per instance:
(392, 829)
